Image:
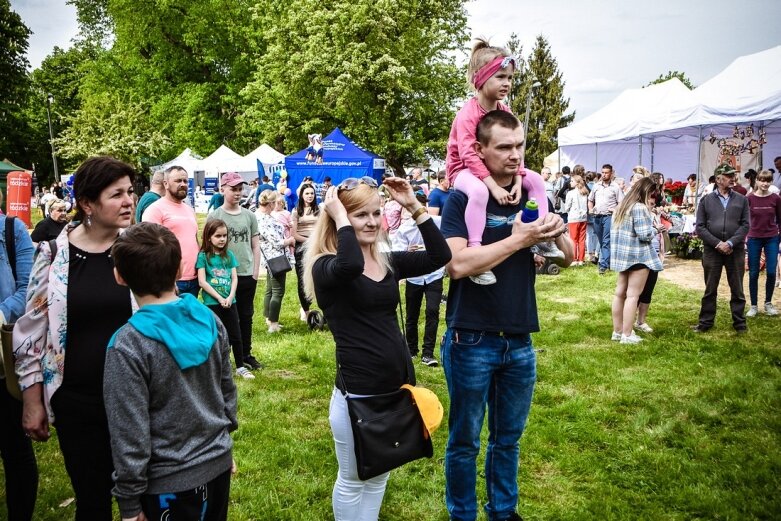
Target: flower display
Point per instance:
(688, 246)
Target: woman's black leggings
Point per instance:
(299, 254)
(648, 290)
(21, 471)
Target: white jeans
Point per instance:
(353, 499)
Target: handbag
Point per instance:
(277, 265)
(389, 429)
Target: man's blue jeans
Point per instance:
(498, 371)
(188, 286)
(602, 232)
(755, 247)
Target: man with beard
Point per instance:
(171, 212)
(51, 227)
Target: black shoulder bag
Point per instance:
(388, 430)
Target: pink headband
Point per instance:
(488, 70)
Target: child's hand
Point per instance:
(515, 193)
(501, 195)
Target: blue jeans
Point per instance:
(188, 286)
(486, 369)
(755, 247)
(602, 232)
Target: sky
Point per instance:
(602, 47)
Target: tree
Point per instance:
(673, 74)
(548, 105)
(110, 124)
(383, 71)
(61, 74)
(14, 83)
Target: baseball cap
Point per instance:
(725, 169)
(231, 179)
(429, 406)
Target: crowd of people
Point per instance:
(113, 296)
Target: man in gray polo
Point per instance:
(602, 202)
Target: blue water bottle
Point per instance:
(531, 211)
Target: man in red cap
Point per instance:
(244, 242)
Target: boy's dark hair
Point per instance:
(495, 117)
(607, 166)
(209, 229)
(147, 257)
(94, 175)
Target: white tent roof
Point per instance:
(249, 163)
(660, 126)
(187, 160)
(632, 113)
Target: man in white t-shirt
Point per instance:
(171, 212)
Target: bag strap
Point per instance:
(10, 243)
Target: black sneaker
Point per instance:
(602, 271)
(252, 363)
(429, 361)
(514, 517)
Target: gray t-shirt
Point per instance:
(242, 227)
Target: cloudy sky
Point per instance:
(602, 46)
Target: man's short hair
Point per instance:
(171, 169)
(778, 158)
(442, 174)
(495, 117)
(147, 257)
(327, 179)
(157, 178)
(608, 166)
(265, 179)
(565, 170)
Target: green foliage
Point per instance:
(548, 105)
(673, 74)
(14, 82)
(384, 71)
(682, 426)
(109, 124)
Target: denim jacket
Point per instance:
(12, 292)
(40, 334)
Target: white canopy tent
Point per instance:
(212, 164)
(670, 129)
(248, 167)
(187, 160)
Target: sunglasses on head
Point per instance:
(352, 182)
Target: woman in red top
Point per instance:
(763, 234)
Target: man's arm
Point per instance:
(478, 259)
(743, 225)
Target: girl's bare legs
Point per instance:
(635, 284)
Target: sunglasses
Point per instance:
(352, 182)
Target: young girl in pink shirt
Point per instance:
(490, 73)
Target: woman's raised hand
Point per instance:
(401, 192)
(334, 207)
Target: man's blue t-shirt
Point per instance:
(437, 199)
(510, 305)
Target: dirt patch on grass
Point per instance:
(687, 273)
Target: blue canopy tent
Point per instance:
(341, 159)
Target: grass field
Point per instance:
(682, 426)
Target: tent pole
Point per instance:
(652, 154)
(596, 156)
(699, 156)
(559, 151)
(640, 150)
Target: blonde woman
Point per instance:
(356, 283)
(273, 244)
(632, 256)
(576, 208)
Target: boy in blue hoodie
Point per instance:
(169, 391)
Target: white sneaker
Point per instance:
(616, 336)
(484, 279)
(631, 339)
(245, 373)
(770, 309)
(752, 311)
(302, 314)
(274, 328)
(645, 328)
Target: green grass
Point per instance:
(682, 426)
